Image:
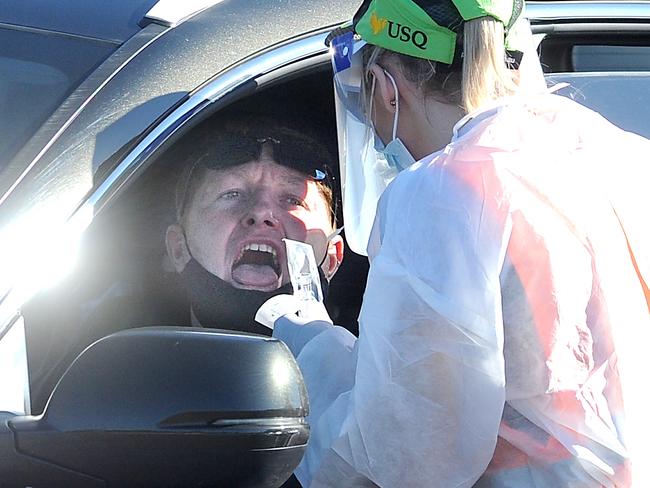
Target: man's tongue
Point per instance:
(254, 269)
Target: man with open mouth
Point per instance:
(249, 184)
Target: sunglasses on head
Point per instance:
(228, 150)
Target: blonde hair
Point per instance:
(484, 75)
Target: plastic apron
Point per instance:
(504, 329)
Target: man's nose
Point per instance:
(261, 212)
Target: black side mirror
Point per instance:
(165, 406)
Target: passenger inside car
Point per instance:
(248, 184)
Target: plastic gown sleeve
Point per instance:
(429, 385)
(327, 358)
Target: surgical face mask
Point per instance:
(395, 152)
(216, 303)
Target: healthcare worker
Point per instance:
(504, 326)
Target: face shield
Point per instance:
(365, 173)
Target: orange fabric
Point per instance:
(644, 285)
(507, 456)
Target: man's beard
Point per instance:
(216, 303)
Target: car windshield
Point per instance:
(38, 70)
(47, 49)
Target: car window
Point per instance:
(123, 277)
(38, 70)
(590, 49)
(611, 58)
(623, 99)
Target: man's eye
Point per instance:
(230, 195)
(295, 201)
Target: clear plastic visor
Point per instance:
(365, 173)
(347, 63)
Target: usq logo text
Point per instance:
(398, 31)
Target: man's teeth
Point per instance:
(260, 247)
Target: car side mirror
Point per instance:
(165, 406)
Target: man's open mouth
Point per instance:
(257, 266)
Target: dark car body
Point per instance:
(94, 94)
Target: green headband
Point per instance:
(404, 27)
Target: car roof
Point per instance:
(115, 20)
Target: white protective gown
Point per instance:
(504, 327)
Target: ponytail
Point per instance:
(485, 76)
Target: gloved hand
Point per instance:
(327, 357)
(290, 308)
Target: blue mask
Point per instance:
(395, 152)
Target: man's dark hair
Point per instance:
(224, 143)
